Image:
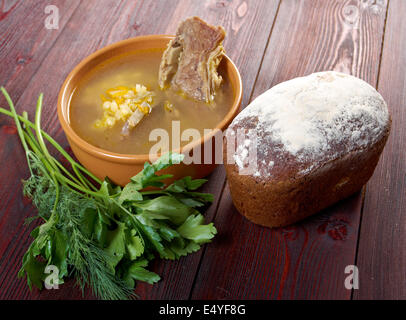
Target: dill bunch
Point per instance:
(89, 263)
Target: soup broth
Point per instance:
(140, 67)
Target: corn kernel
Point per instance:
(106, 105)
(123, 103)
(110, 121)
(125, 110)
(114, 106)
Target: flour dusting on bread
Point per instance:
(313, 119)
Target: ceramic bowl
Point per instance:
(121, 167)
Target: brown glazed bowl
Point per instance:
(121, 167)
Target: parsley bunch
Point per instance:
(99, 233)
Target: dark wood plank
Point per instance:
(307, 260)
(24, 40)
(381, 255)
(293, 262)
(92, 27)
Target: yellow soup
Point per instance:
(140, 67)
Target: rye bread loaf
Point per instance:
(304, 145)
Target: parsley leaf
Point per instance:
(137, 271)
(194, 229)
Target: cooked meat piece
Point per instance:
(132, 121)
(135, 118)
(190, 62)
(169, 63)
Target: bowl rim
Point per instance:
(136, 158)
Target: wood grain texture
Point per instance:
(24, 40)
(307, 260)
(286, 263)
(381, 254)
(94, 25)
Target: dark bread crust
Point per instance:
(277, 202)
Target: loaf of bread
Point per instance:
(304, 145)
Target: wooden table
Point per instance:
(270, 41)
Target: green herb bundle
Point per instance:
(102, 234)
